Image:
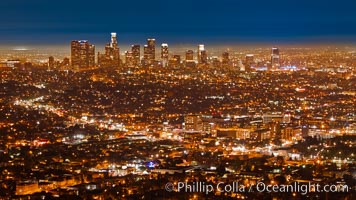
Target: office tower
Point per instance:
(91, 55)
(113, 42)
(115, 51)
(275, 58)
(200, 49)
(50, 63)
(82, 54)
(177, 57)
(225, 59)
(78, 60)
(174, 61)
(151, 44)
(135, 49)
(249, 59)
(164, 54)
(112, 53)
(215, 62)
(203, 57)
(189, 55)
(129, 59)
(189, 59)
(146, 55)
(149, 52)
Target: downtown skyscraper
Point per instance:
(135, 49)
(82, 54)
(202, 54)
(189, 58)
(164, 54)
(275, 59)
(149, 52)
(111, 58)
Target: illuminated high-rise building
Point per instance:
(164, 54)
(174, 61)
(249, 59)
(129, 59)
(135, 49)
(215, 62)
(50, 62)
(203, 57)
(91, 55)
(146, 55)
(200, 49)
(113, 42)
(275, 58)
(189, 58)
(177, 58)
(82, 54)
(112, 50)
(149, 52)
(189, 55)
(112, 53)
(225, 58)
(151, 43)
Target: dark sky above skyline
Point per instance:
(173, 21)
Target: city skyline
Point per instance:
(228, 99)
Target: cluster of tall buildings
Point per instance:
(111, 57)
(83, 56)
(133, 57)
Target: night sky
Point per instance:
(184, 21)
